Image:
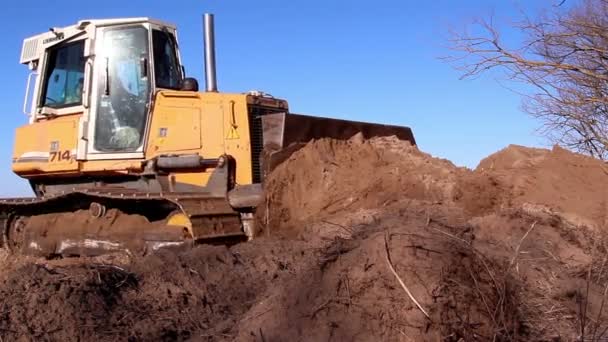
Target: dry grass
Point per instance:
(480, 290)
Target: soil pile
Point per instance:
(363, 240)
(558, 180)
(331, 176)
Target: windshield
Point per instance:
(64, 76)
(124, 89)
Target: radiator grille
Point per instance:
(257, 142)
(256, 134)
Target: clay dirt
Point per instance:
(361, 240)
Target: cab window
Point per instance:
(166, 67)
(124, 89)
(64, 77)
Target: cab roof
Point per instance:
(34, 47)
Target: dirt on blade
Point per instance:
(511, 251)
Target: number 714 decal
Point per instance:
(59, 156)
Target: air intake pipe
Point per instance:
(209, 36)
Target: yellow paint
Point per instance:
(175, 126)
(181, 122)
(222, 128)
(181, 220)
(38, 138)
(118, 165)
(93, 167)
(193, 178)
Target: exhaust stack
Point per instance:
(209, 35)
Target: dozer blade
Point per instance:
(94, 222)
(285, 133)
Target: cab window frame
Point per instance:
(167, 37)
(50, 65)
(115, 79)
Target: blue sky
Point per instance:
(369, 61)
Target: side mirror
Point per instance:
(189, 84)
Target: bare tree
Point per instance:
(565, 60)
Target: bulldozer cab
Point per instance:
(106, 71)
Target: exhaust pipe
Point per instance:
(209, 35)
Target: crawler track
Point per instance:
(96, 221)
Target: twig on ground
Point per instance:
(48, 269)
(582, 306)
(320, 307)
(390, 265)
(587, 296)
(599, 337)
(520, 243)
(123, 317)
(451, 235)
(257, 315)
(110, 266)
(122, 282)
(552, 255)
(216, 335)
(350, 301)
(483, 298)
(347, 229)
(601, 272)
(599, 315)
(267, 217)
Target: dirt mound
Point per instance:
(351, 293)
(363, 240)
(199, 294)
(330, 176)
(559, 180)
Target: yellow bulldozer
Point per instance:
(123, 152)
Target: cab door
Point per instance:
(121, 93)
(61, 103)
